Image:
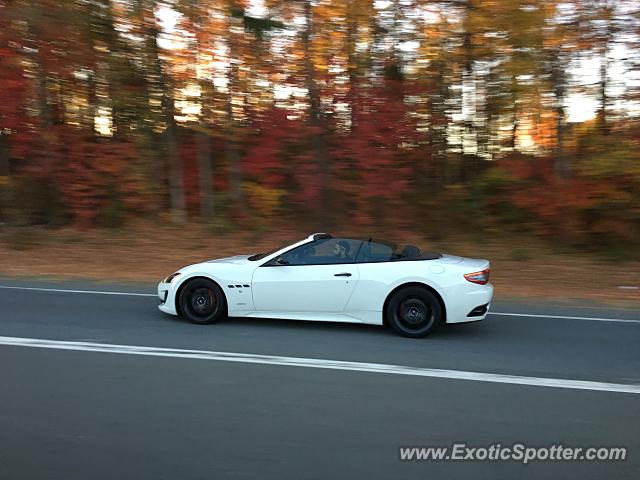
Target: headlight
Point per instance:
(170, 278)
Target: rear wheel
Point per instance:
(413, 312)
(201, 301)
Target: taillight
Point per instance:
(481, 278)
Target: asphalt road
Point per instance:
(84, 414)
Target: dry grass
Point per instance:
(521, 267)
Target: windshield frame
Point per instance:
(262, 255)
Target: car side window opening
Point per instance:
(373, 251)
(329, 251)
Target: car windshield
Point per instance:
(260, 256)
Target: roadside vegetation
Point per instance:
(522, 266)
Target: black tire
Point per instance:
(413, 312)
(201, 301)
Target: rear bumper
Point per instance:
(467, 301)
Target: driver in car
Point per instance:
(342, 249)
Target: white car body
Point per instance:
(314, 292)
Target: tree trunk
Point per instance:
(352, 66)
(5, 193)
(233, 154)
(114, 88)
(93, 102)
(513, 138)
(232, 148)
(45, 114)
(437, 129)
(176, 186)
(171, 157)
(604, 70)
(558, 77)
(318, 142)
(203, 139)
(204, 176)
(605, 38)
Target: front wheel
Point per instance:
(201, 301)
(413, 312)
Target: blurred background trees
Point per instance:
(412, 115)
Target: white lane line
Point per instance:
(132, 294)
(593, 319)
(322, 363)
(95, 292)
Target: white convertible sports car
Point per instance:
(331, 279)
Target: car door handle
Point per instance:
(342, 275)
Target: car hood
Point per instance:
(236, 260)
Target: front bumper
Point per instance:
(166, 295)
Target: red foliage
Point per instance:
(189, 158)
(13, 84)
(280, 157)
(92, 175)
(369, 162)
(375, 150)
(557, 205)
(265, 159)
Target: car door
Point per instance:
(311, 278)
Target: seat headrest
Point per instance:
(411, 251)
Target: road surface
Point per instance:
(262, 399)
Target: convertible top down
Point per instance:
(324, 278)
